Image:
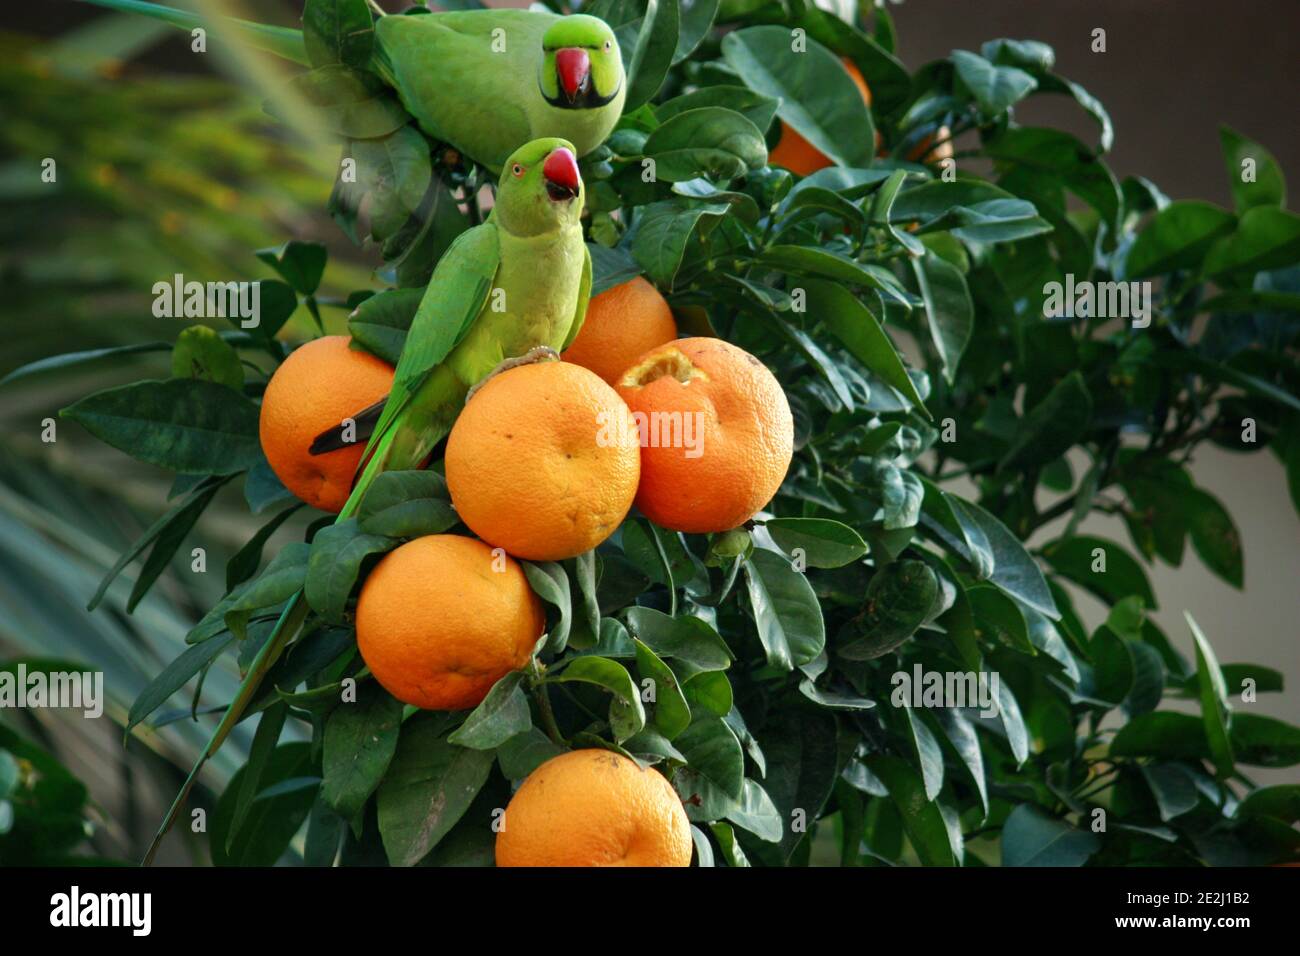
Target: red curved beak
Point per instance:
(574, 70)
(561, 171)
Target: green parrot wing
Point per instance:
(584, 296)
(454, 298)
(459, 82)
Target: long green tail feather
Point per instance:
(295, 612)
(282, 41)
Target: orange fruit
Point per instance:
(717, 434)
(800, 156)
(594, 808)
(543, 461)
(318, 386)
(441, 619)
(622, 323)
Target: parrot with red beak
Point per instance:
(487, 81)
(511, 291)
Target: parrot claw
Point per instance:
(540, 353)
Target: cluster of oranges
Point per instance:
(544, 463)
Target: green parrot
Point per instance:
(511, 291)
(487, 80)
(484, 81)
(508, 292)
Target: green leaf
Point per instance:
(696, 21)
(381, 321)
(1264, 741)
(824, 543)
(610, 267)
(829, 264)
(1173, 788)
(336, 555)
(922, 819)
(170, 539)
(708, 141)
(1214, 535)
(1177, 238)
(1050, 156)
(550, 582)
(731, 850)
(246, 560)
(503, 714)
(263, 489)
(898, 600)
(1282, 802)
(338, 31)
(185, 425)
(1053, 426)
(299, 263)
(1164, 734)
(73, 359)
(1265, 238)
(175, 676)
(1102, 567)
(853, 324)
(961, 735)
(818, 97)
(1244, 158)
(406, 504)
(801, 769)
(713, 751)
(395, 171)
(949, 312)
(662, 230)
(523, 753)
(995, 609)
(648, 57)
(360, 740)
(1014, 571)
(201, 353)
(1031, 838)
(626, 715)
(994, 88)
(672, 714)
(181, 516)
(427, 789)
(350, 104)
(756, 813)
(685, 638)
(273, 818)
(1215, 713)
(785, 609)
(755, 107)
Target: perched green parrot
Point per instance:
(488, 80)
(484, 81)
(510, 291)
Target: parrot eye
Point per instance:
(517, 170)
(608, 44)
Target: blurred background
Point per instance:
(166, 162)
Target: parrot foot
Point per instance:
(540, 353)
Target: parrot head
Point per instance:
(540, 188)
(581, 64)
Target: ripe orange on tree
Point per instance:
(800, 156)
(594, 808)
(317, 387)
(719, 397)
(441, 619)
(622, 323)
(543, 461)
